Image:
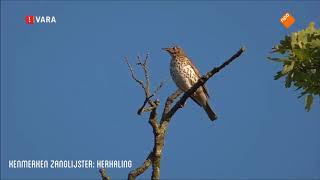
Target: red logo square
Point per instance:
(29, 19)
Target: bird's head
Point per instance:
(175, 51)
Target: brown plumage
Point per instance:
(185, 74)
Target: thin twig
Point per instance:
(158, 88)
(146, 71)
(143, 108)
(144, 67)
(133, 75)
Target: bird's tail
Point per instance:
(210, 112)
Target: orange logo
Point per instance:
(287, 20)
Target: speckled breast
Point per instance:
(182, 73)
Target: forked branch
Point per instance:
(160, 127)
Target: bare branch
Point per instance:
(145, 87)
(146, 164)
(153, 121)
(158, 88)
(133, 75)
(103, 174)
(146, 71)
(168, 103)
(146, 59)
(143, 108)
(144, 66)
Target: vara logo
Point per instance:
(40, 19)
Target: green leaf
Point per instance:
(311, 27)
(302, 94)
(288, 81)
(287, 68)
(278, 75)
(309, 101)
(315, 44)
(283, 60)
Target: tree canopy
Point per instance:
(300, 57)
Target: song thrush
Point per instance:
(185, 75)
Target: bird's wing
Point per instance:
(199, 76)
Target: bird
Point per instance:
(185, 74)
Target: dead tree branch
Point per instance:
(104, 174)
(160, 127)
(144, 85)
(134, 173)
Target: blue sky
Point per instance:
(67, 94)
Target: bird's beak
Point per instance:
(166, 49)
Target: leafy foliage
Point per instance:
(300, 56)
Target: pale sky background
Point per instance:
(67, 94)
